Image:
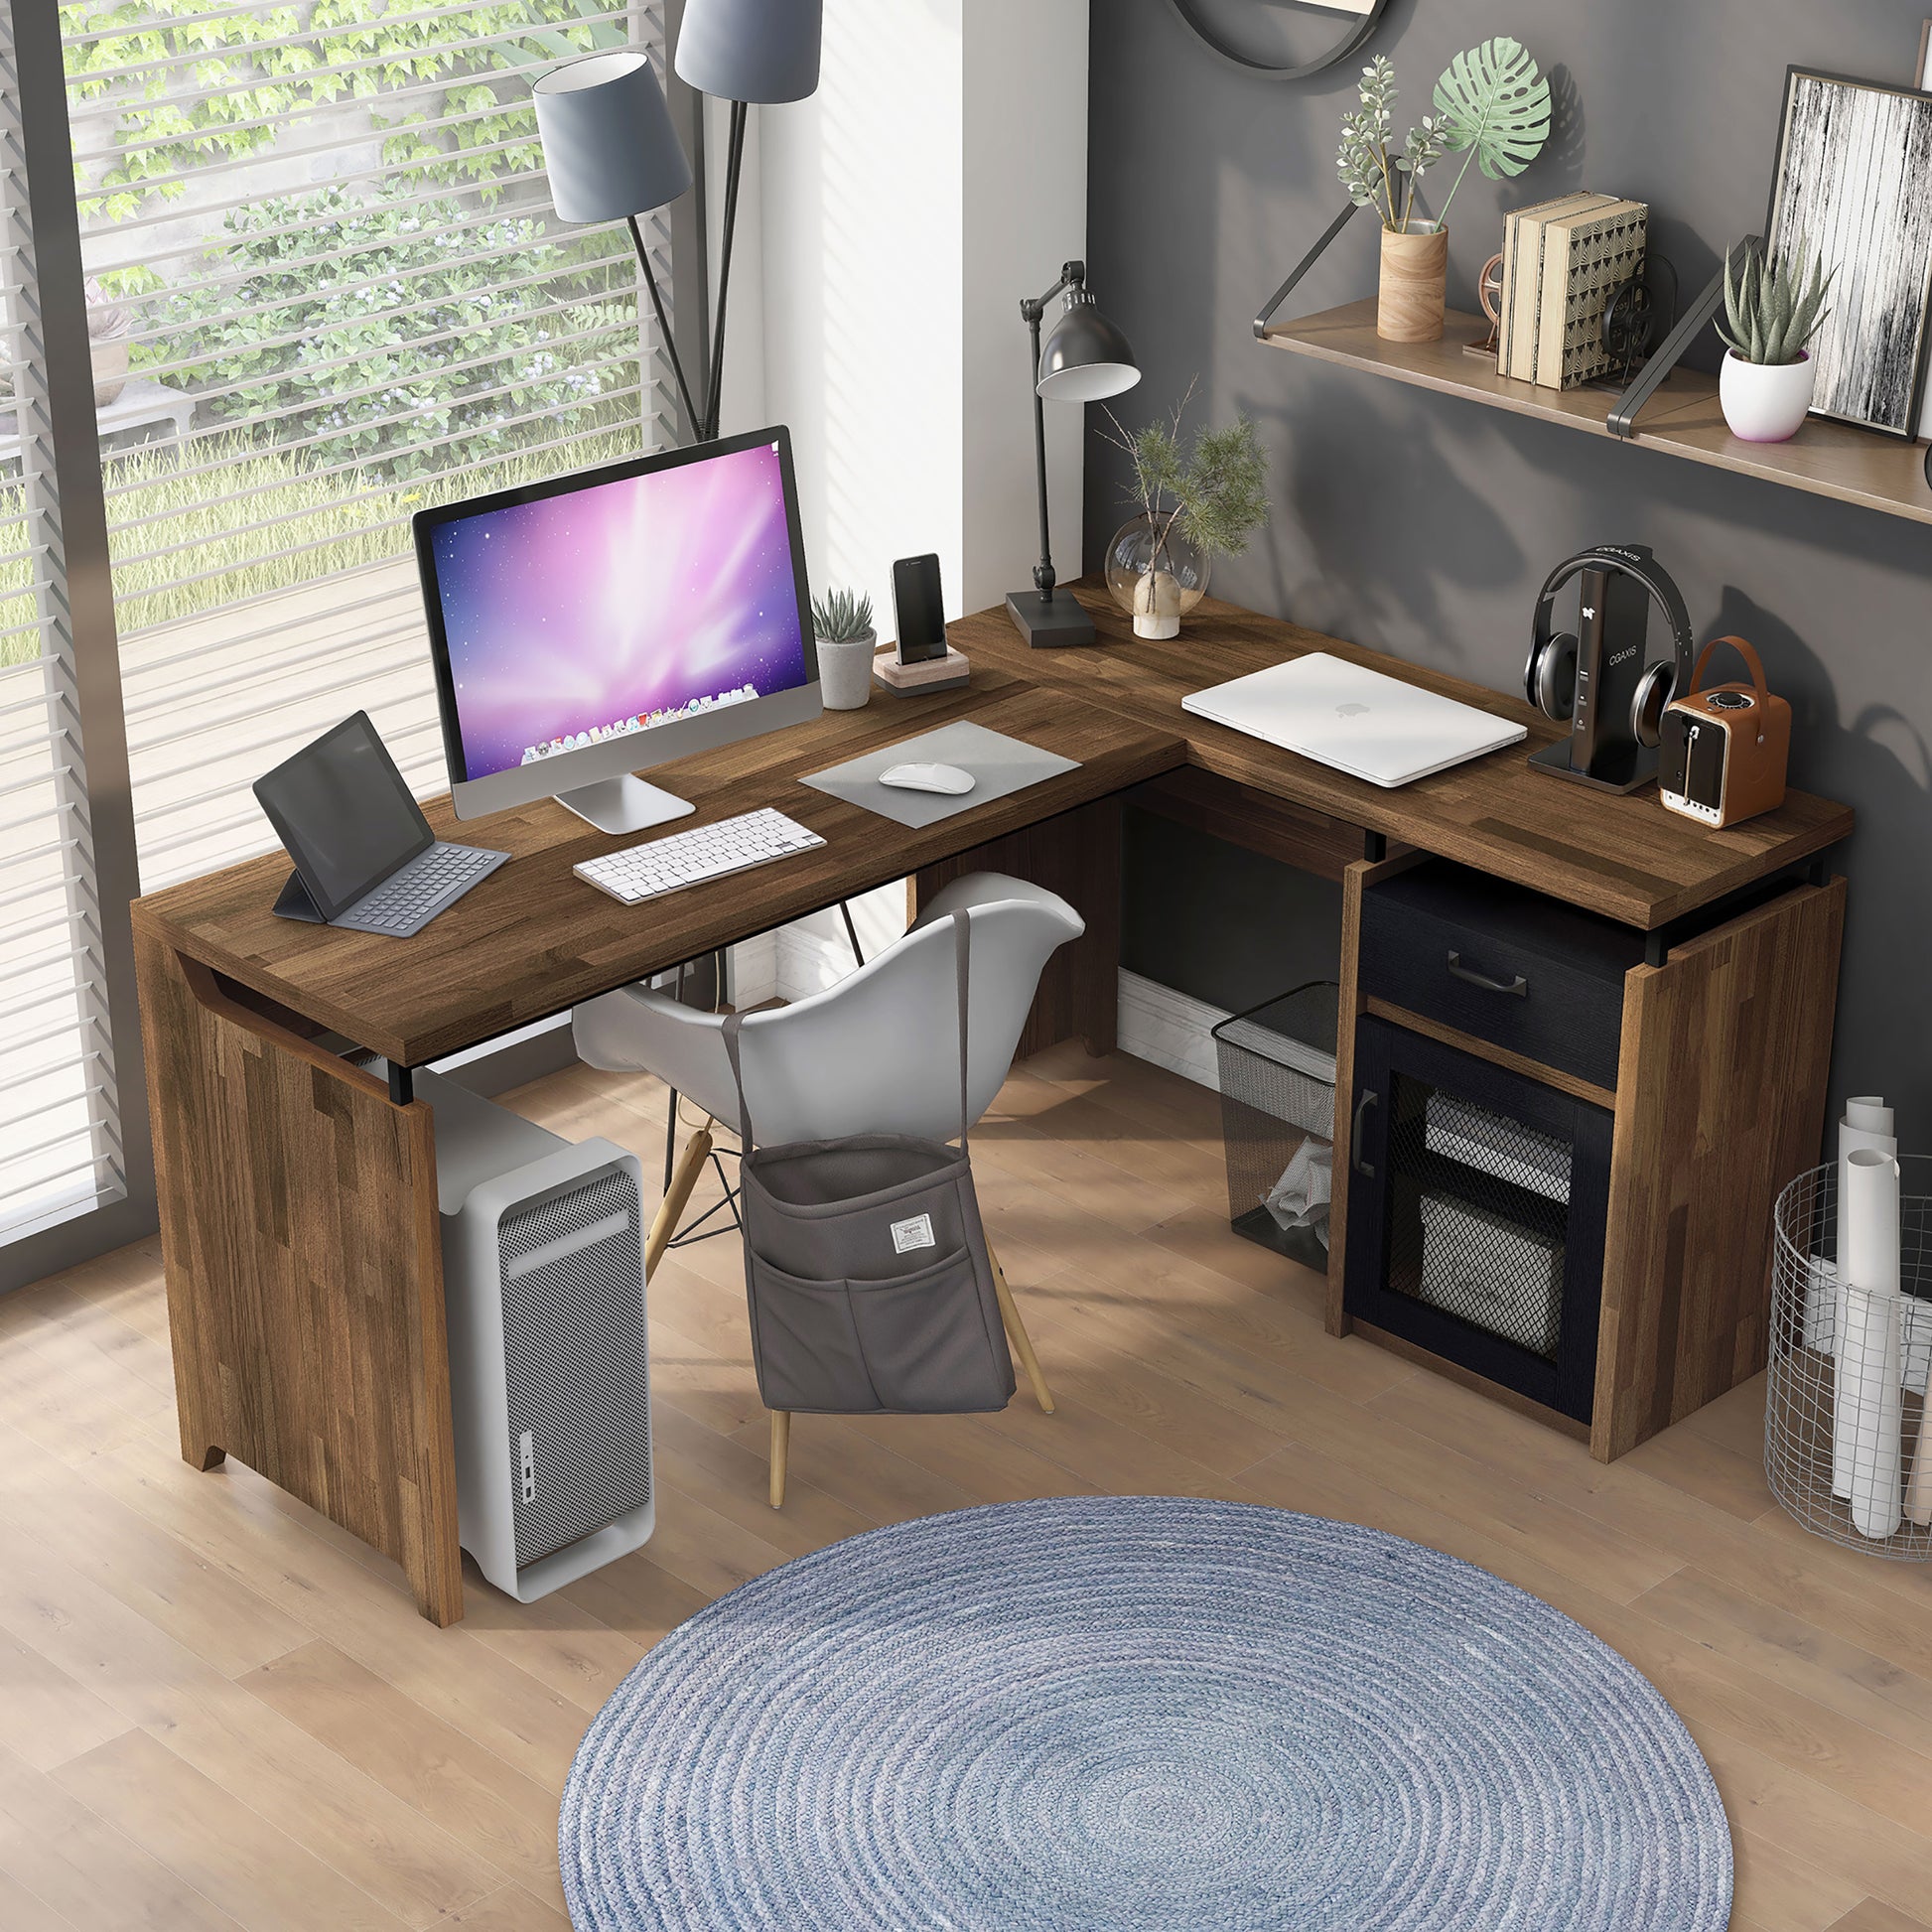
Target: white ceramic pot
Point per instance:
(1766, 402)
(845, 671)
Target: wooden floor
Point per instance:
(216, 1709)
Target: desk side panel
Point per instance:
(305, 1283)
(1076, 855)
(1721, 1100)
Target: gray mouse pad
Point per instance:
(1000, 765)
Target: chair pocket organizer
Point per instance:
(866, 1267)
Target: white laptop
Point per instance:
(1358, 720)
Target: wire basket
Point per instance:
(1276, 1065)
(1844, 1468)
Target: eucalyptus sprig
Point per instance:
(1490, 102)
(1775, 307)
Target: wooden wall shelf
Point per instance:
(1827, 459)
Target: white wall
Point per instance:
(899, 217)
(937, 176)
(1023, 214)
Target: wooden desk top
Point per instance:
(531, 940)
(1626, 857)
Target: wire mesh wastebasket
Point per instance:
(1277, 1065)
(1845, 1431)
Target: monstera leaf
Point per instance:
(1492, 99)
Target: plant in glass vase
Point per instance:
(1490, 103)
(1194, 504)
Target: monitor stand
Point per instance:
(625, 804)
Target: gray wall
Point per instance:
(1423, 524)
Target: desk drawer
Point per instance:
(1501, 963)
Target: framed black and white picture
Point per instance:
(1854, 185)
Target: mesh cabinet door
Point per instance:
(1477, 1215)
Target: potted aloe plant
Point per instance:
(842, 623)
(1773, 310)
(1490, 102)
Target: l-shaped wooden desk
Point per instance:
(298, 1190)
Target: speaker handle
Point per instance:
(1753, 663)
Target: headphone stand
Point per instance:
(1642, 767)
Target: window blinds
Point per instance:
(320, 243)
(59, 1134)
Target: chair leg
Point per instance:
(670, 1210)
(780, 1447)
(1023, 1345)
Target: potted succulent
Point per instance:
(1773, 308)
(1490, 102)
(1194, 504)
(842, 623)
(108, 329)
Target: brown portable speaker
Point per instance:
(1722, 755)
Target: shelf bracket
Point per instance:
(1302, 267)
(1666, 356)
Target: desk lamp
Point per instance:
(1086, 360)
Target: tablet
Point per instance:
(342, 809)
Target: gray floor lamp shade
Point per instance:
(612, 154)
(751, 49)
(608, 140)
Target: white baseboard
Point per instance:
(1168, 1028)
(1156, 1023)
(814, 952)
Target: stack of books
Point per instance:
(1562, 261)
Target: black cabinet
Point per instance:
(1489, 958)
(1476, 1204)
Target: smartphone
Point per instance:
(919, 608)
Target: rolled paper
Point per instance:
(1868, 1123)
(1918, 1492)
(1866, 1416)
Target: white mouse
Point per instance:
(927, 777)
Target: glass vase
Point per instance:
(1157, 576)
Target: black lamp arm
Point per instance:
(1033, 310)
(664, 329)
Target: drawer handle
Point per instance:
(1519, 987)
(1369, 1099)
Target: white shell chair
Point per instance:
(876, 1053)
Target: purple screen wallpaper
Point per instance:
(613, 609)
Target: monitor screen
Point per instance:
(613, 604)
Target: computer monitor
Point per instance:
(592, 627)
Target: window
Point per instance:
(59, 1134)
(325, 289)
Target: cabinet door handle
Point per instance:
(1370, 1098)
(1518, 988)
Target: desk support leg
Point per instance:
(1076, 855)
(304, 1265)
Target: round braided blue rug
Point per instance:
(1138, 1714)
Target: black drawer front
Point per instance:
(1508, 970)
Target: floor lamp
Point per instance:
(613, 154)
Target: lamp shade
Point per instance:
(608, 140)
(751, 49)
(1086, 358)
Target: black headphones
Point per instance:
(1550, 676)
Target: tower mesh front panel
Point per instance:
(575, 1361)
(1479, 1215)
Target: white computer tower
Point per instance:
(543, 1285)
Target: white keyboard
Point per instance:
(690, 858)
